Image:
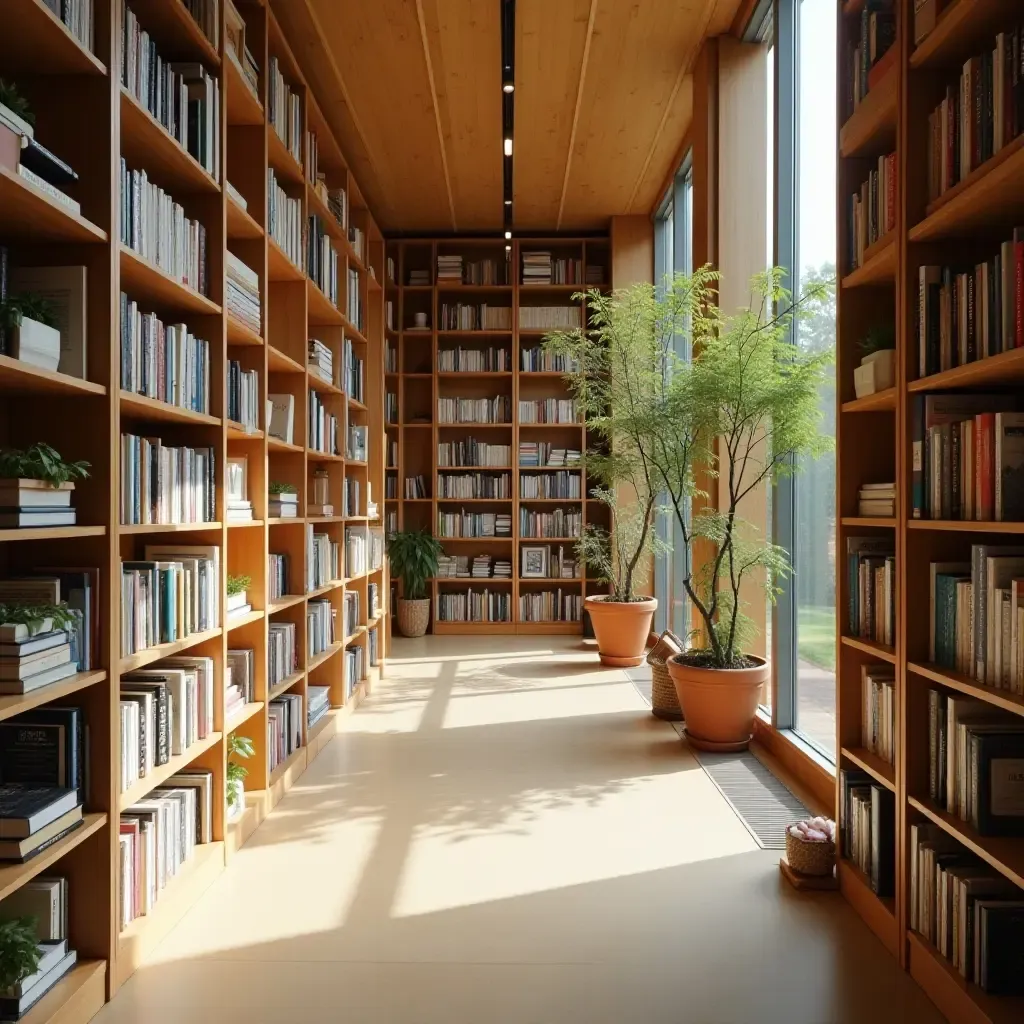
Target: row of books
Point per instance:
(243, 396)
(536, 318)
(357, 239)
(352, 615)
(163, 361)
(277, 576)
(155, 226)
(323, 564)
(534, 454)
(970, 312)
(543, 268)
(416, 487)
(474, 606)
(323, 426)
(474, 360)
(373, 599)
(284, 219)
(350, 497)
(871, 583)
(472, 452)
(474, 485)
(183, 97)
(166, 484)
(550, 606)
(320, 626)
(872, 210)
(474, 316)
(548, 563)
(870, 54)
(474, 524)
(868, 829)
(559, 523)
(970, 913)
(354, 381)
(877, 500)
(354, 667)
(284, 728)
(563, 484)
(878, 711)
(354, 299)
(239, 680)
(243, 292)
(171, 594)
(475, 410)
(548, 410)
(322, 259)
(318, 703)
(980, 114)
(236, 47)
(390, 351)
(391, 407)
(419, 277)
(455, 269)
(282, 652)
(357, 550)
(482, 567)
(539, 360)
(284, 109)
(165, 709)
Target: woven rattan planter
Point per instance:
(413, 617)
(664, 700)
(817, 859)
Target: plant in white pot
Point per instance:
(31, 325)
(413, 555)
(39, 478)
(238, 747)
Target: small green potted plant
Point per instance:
(16, 110)
(31, 325)
(238, 597)
(877, 370)
(19, 953)
(238, 747)
(38, 476)
(19, 621)
(284, 499)
(414, 555)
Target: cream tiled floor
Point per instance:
(504, 834)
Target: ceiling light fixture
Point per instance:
(508, 145)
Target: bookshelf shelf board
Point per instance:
(473, 581)
(243, 106)
(323, 211)
(51, 533)
(325, 386)
(24, 379)
(319, 659)
(467, 501)
(12, 704)
(286, 684)
(411, 501)
(548, 469)
(551, 582)
(325, 589)
(237, 621)
(475, 540)
(992, 194)
(540, 332)
(286, 167)
(879, 913)
(552, 426)
(321, 309)
(457, 286)
(959, 1000)
(879, 266)
(548, 540)
(353, 332)
(964, 28)
(543, 374)
(145, 142)
(285, 602)
(1004, 699)
(169, 527)
(1006, 855)
(872, 126)
(144, 280)
(965, 526)
(352, 638)
(161, 773)
(285, 766)
(278, 362)
(316, 520)
(243, 524)
(142, 407)
(474, 374)
(13, 876)
(552, 289)
(242, 715)
(275, 444)
(462, 426)
(418, 288)
(550, 501)
(473, 469)
(242, 226)
(236, 432)
(170, 23)
(877, 767)
(75, 999)
(140, 659)
(468, 334)
(285, 520)
(241, 334)
(42, 40)
(456, 628)
(279, 266)
(329, 719)
(313, 455)
(28, 212)
(354, 403)
(859, 521)
(880, 401)
(991, 370)
(870, 647)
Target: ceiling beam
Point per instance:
(437, 112)
(576, 111)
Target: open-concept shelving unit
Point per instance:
(961, 228)
(84, 418)
(415, 384)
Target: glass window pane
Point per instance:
(815, 555)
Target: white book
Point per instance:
(51, 190)
(282, 416)
(65, 288)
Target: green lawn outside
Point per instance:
(816, 636)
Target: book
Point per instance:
(44, 899)
(27, 809)
(1000, 926)
(22, 850)
(38, 679)
(35, 516)
(16, 668)
(17, 642)
(34, 493)
(282, 417)
(71, 770)
(42, 185)
(996, 775)
(50, 954)
(13, 1007)
(1009, 466)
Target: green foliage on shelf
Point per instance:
(414, 555)
(238, 584)
(12, 99)
(27, 305)
(878, 339)
(40, 462)
(19, 951)
(238, 747)
(278, 487)
(34, 615)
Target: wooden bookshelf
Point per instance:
(84, 418)
(874, 437)
(418, 383)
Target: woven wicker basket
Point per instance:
(413, 617)
(664, 702)
(818, 859)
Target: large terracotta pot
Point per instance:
(413, 616)
(719, 705)
(621, 628)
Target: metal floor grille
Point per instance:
(759, 799)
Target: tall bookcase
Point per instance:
(415, 384)
(961, 227)
(87, 117)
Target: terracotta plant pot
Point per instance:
(718, 704)
(413, 616)
(621, 628)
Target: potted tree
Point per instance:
(609, 394)
(414, 555)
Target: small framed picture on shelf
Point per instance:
(237, 478)
(534, 563)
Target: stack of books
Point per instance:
(239, 510)
(594, 274)
(474, 606)
(320, 360)
(282, 652)
(391, 407)
(243, 292)
(319, 703)
(320, 631)
(162, 484)
(477, 316)
(372, 647)
(350, 504)
(452, 566)
(877, 500)
(33, 816)
(419, 278)
(357, 239)
(323, 426)
(283, 505)
(484, 272)
(537, 360)
(237, 48)
(548, 410)
(475, 410)
(284, 219)
(277, 576)
(376, 551)
(284, 728)
(536, 268)
(449, 270)
(871, 568)
(77, 591)
(475, 485)
(284, 110)
(878, 711)
(868, 818)
(481, 567)
(30, 659)
(871, 55)
(390, 351)
(474, 360)
(25, 502)
(243, 397)
(37, 165)
(373, 599)
(416, 486)
(45, 900)
(337, 203)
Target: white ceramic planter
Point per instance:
(37, 344)
(875, 373)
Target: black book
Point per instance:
(849, 779)
(75, 739)
(42, 751)
(883, 841)
(25, 810)
(15, 1007)
(1001, 938)
(997, 768)
(39, 159)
